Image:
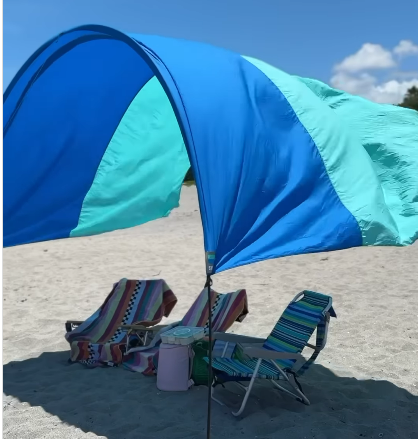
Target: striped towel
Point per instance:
(100, 340)
(225, 308)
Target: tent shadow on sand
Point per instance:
(119, 404)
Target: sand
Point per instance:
(364, 385)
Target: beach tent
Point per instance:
(100, 128)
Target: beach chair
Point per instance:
(225, 309)
(279, 357)
(141, 328)
(102, 338)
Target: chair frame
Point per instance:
(130, 329)
(255, 350)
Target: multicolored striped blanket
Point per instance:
(226, 309)
(100, 340)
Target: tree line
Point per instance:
(411, 99)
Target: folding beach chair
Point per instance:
(279, 357)
(102, 338)
(225, 309)
(145, 323)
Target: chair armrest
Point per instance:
(235, 338)
(271, 355)
(134, 328)
(157, 329)
(70, 323)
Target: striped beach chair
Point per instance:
(225, 309)
(101, 340)
(279, 357)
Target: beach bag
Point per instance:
(200, 372)
(174, 367)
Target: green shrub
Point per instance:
(189, 175)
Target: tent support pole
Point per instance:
(210, 379)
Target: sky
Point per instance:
(365, 47)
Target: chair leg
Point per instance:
(291, 380)
(212, 393)
(300, 396)
(248, 390)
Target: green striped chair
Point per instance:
(279, 357)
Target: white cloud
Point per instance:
(353, 75)
(367, 86)
(359, 84)
(407, 74)
(370, 56)
(391, 92)
(406, 48)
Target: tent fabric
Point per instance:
(118, 188)
(389, 136)
(361, 142)
(99, 128)
(59, 117)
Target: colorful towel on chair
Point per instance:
(100, 340)
(226, 309)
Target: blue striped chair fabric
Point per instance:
(290, 334)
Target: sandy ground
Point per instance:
(365, 384)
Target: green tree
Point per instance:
(411, 99)
(189, 175)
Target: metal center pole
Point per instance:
(209, 412)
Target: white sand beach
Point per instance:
(365, 383)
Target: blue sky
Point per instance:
(304, 37)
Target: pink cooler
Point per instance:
(174, 367)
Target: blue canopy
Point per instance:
(99, 128)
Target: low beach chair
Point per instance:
(102, 338)
(279, 357)
(225, 308)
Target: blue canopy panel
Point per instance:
(263, 187)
